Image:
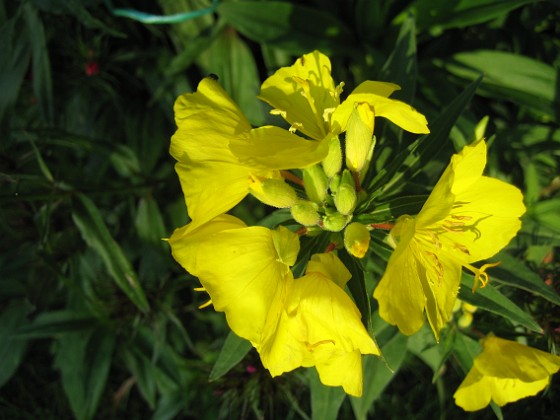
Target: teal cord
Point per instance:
(158, 19)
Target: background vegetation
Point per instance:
(98, 321)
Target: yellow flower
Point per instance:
(467, 217)
(504, 372)
(306, 322)
(305, 95)
(212, 178)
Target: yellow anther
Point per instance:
(206, 304)
(480, 275)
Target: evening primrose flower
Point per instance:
(212, 178)
(467, 217)
(310, 321)
(504, 372)
(305, 95)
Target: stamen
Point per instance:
(278, 112)
(454, 216)
(480, 275)
(294, 127)
(206, 304)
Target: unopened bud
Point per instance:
(356, 239)
(467, 307)
(359, 134)
(465, 320)
(305, 213)
(335, 222)
(333, 162)
(274, 192)
(316, 183)
(345, 198)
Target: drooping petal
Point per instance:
(321, 327)
(275, 148)
(395, 111)
(241, 271)
(504, 372)
(302, 93)
(509, 359)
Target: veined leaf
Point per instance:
(325, 400)
(524, 80)
(515, 273)
(234, 350)
(378, 373)
(95, 233)
(295, 28)
(56, 323)
(492, 300)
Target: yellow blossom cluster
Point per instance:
(315, 168)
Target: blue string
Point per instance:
(158, 19)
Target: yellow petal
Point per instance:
(330, 266)
(509, 390)
(400, 293)
(211, 188)
(275, 148)
(302, 93)
(509, 359)
(210, 97)
(475, 392)
(241, 271)
(397, 112)
(343, 370)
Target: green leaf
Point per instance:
(16, 53)
(515, 273)
(524, 80)
(149, 222)
(234, 350)
(295, 28)
(90, 223)
(143, 370)
(56, 323)
(12, 348)
(490, 299)
(378, 373)
(546, 213)
(401, 66)
(84, 360)
(392, 209)
(437, 15)
(232, 61)
(357, 287)
(417, 155)
(42, 80)
(325, 400)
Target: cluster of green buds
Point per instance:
(331, 190)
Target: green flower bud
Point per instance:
(334, 183)
(356, 239)
(305, 213)
(346, 198)
(359, 133)
(316, 183)
(333, 162)
(274, 192)
(335, 222)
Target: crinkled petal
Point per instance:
(302, 93)
(320, 325)
(330, 266)
(275, 148)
